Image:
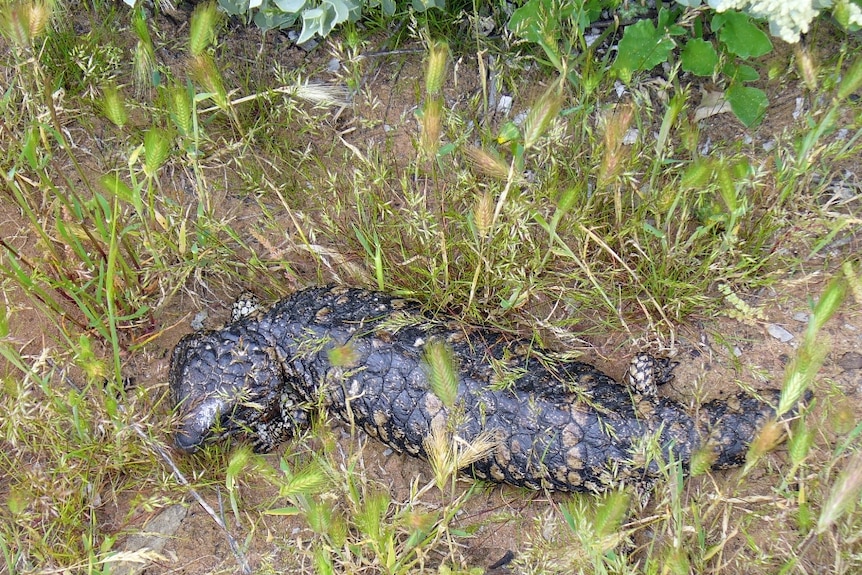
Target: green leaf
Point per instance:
(699, 57)
(852, 79)
(642, 47)
(272, 18)
(425, 5)
(740, 72)
(116, 187)
(747, 103)
(666, 19)
(508, 132)
(740, 35)
(313, 22)
(234, 7)
(290, 6)
(344, 10)
(535, 21)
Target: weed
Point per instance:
(564, 220)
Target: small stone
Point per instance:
(334, 65)
(309, 45)
(736, 351)
(520, 119)
(802, 316)
(152, 539)
(630, 137)
(779, 332)
(199, 319)
(504, 104)
(852, 360)
(799, 109)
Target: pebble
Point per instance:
(779, 332)
(149, 543)
(802, 316)
(852, 360)
(799, 109)
(199, 319)
(308, 45)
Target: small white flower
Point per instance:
(787, 18)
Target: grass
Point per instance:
(126, 205)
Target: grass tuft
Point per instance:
(844, 494)
(442, 371)
(202, 28)
(114, 106)
(581, 216)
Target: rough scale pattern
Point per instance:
(560, 425)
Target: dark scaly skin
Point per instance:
(359, 354)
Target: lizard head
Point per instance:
(223, 384)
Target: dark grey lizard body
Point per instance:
(560, 425)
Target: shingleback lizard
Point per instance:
(560, 425)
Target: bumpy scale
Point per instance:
(561, 425)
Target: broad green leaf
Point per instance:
(290, 6)
(508, 132)
(584, 12)
(666, 23)
(852, 79)
(747, 103)
(271, 18)
(699, 57)
(313, 22)
(234, 7)
(740, 72)
(342, 9)
(535, 21)
(425, 5)
(642, 48)
(740, 35)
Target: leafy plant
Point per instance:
(707, 44)
(318, 17)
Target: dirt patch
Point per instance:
(715, 359)
(716, 355)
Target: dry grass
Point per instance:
(123, 201)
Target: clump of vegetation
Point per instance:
(135, 185)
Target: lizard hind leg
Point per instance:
(246, 304)
(646, 373)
